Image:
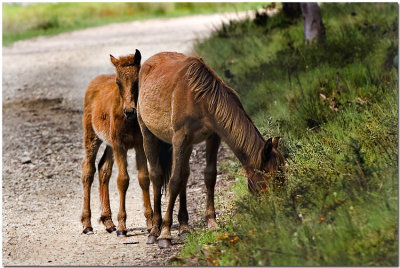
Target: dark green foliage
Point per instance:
(335, 106)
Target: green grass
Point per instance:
(335, 105)
(23, 22)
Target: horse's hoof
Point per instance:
(182, 236)
(151, 240)
(88, 231)
(164, 243)
(122, 233)
(149, 225)
(111, 229)
(212, 224)
(183, 231)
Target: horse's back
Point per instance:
(101, 100)
(165, 62)
(100, 87)
(165, 58)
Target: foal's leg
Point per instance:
(105, 170)
(91, 146)
(182, 148)
(210, 176)
(150, 145)
(144, 182)
(120, 155)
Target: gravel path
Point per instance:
(44, 80)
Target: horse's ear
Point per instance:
(275, 142)
(114, 60)
(267, 149)
(138, 57)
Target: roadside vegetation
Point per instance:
(23, 22)
(335, 106)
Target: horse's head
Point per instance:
(272, 164)
(128, 81)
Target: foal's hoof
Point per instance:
(111, 229)
(164, 243)
(88, 231)
(122, 233)
(151, 240)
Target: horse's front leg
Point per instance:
(183, 215)
(144, 182)
(210, 177)
(120, 155)
(182, 148)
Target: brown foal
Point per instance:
(110, 116)
(182, 102)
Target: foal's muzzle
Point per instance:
(129, 114)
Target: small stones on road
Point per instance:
(26, 160)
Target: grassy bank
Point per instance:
(23, 22)
(335, 105)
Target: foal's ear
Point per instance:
(275, 142)
(114, 60)
(267, 149)
(138, 57)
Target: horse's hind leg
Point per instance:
(105, 170)
(144, 182)
(182, 148)
(120, 155)
(91, 145)
(210, 177)
(151, 148)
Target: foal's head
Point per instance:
(272, 164)
(127, 80)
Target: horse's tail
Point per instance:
(165, 160)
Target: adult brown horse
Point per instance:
(110, 117)
(183, 102)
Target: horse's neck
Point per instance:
(243, 138)
(224, 108)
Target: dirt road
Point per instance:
(44, 80)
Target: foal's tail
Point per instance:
(165, 158)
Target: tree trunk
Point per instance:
(291, 10)
(313, 26)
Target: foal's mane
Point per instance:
(224, 103)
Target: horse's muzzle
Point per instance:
(130, 114)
